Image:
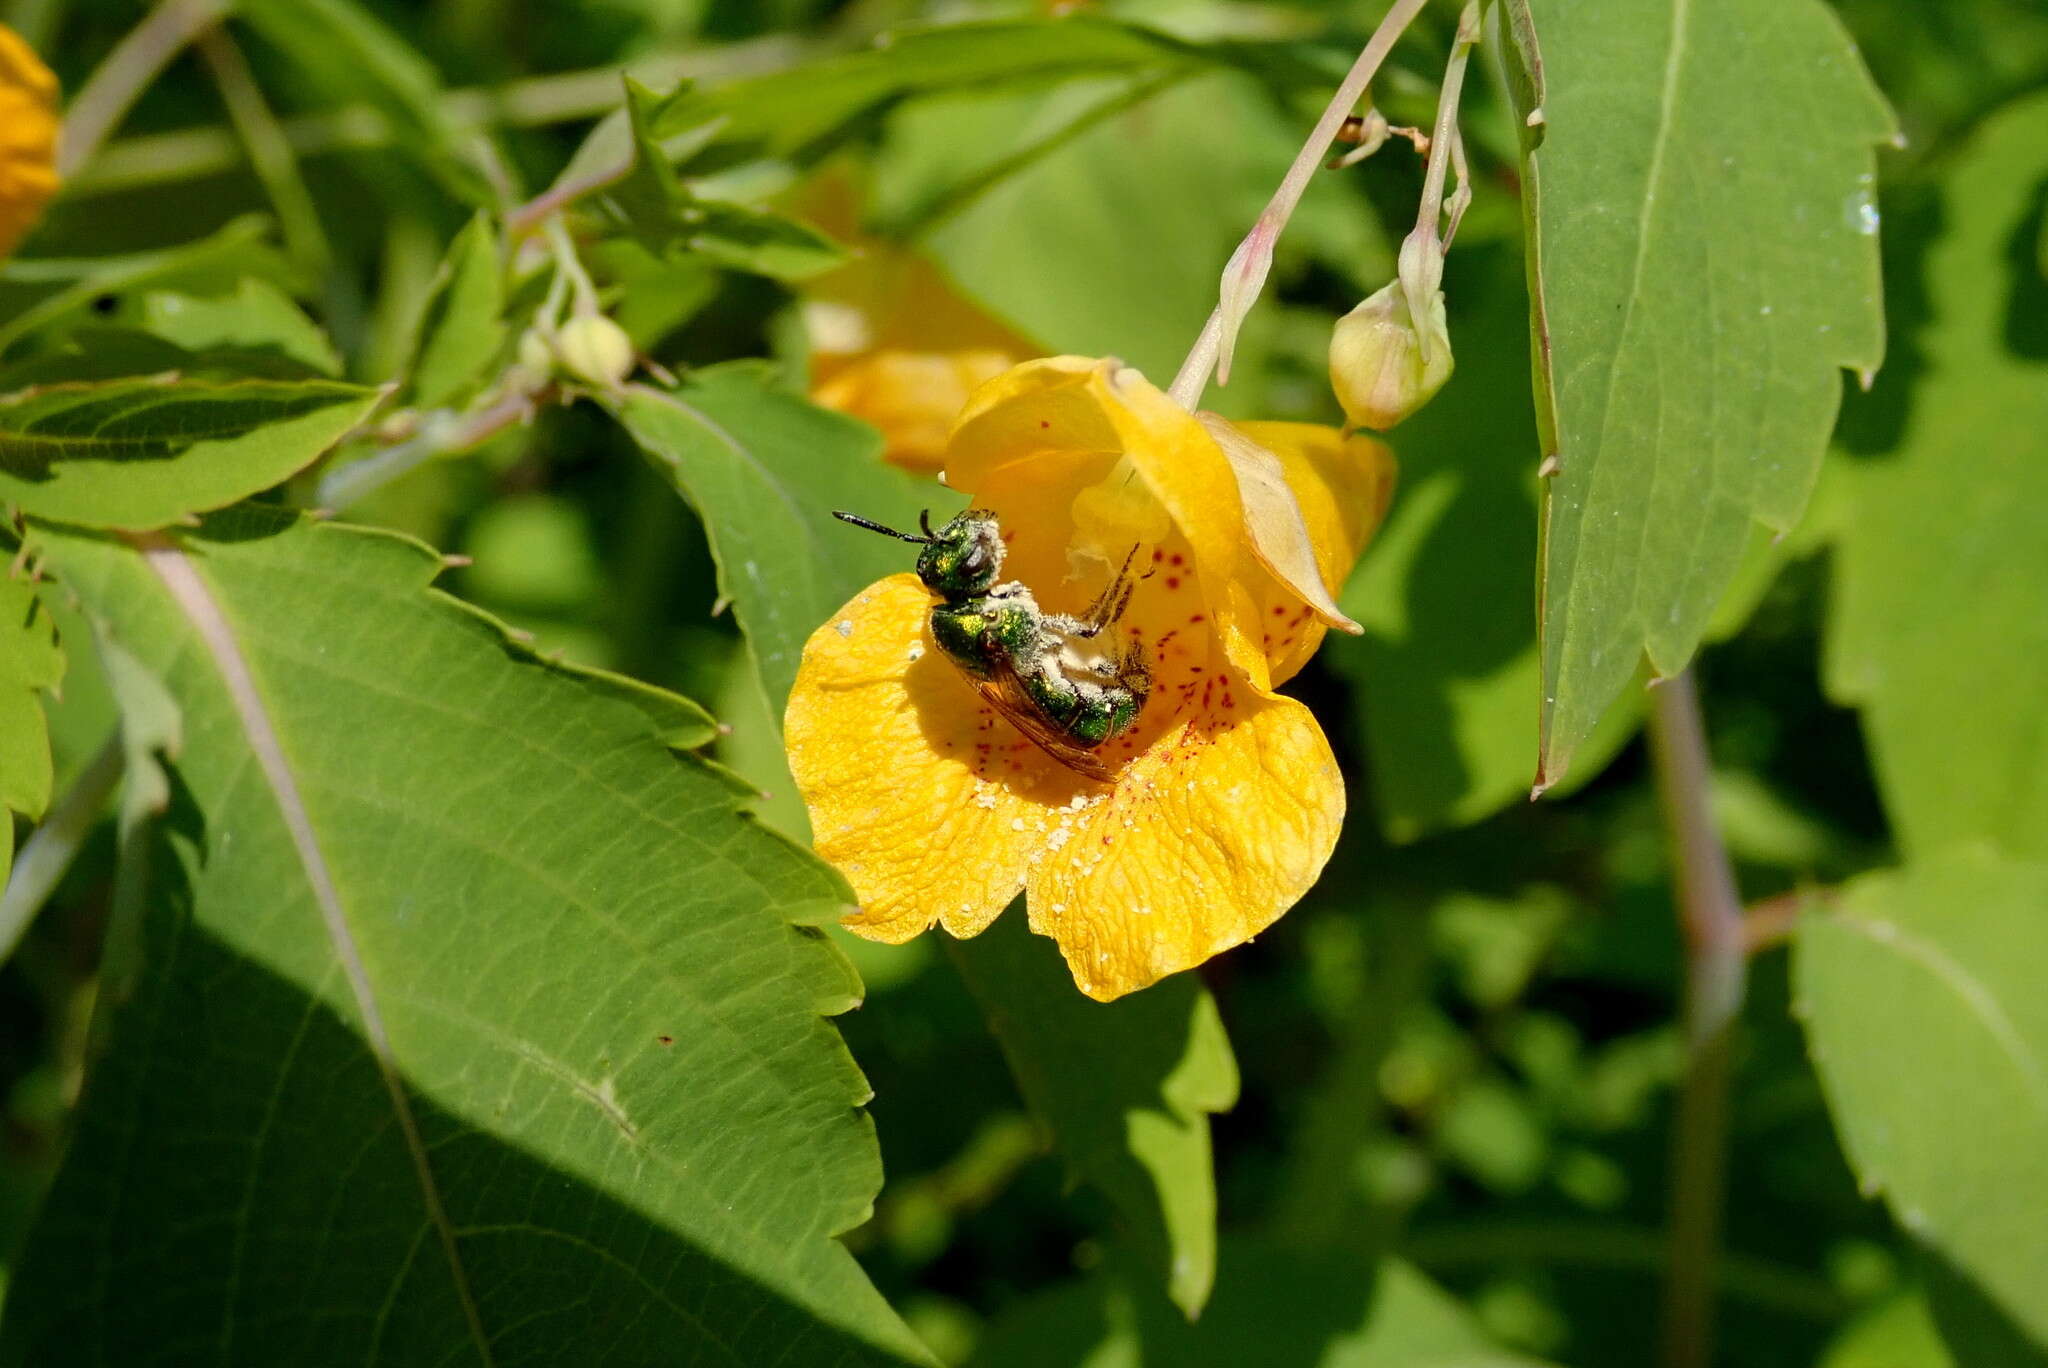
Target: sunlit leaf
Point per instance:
(1446, 674)
(1125, 1087)
(1925, 1017)
(498, 1018)
(765, 469)
(1698, 291)
(144, 452)
(1940, 627)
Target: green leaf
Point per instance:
(1095, 247)
(144, 452)
(802, 110)
(1125, 1087)
(1898, 1333)
(1697, 289)
(1974, 1327)
(471, 1023)
(666, 215)
(30, 662)
(1926, 1021)
(464, 323)
(257, 317)
(209, 266)
(1447, 670)
(349, 55)
(761, 241)
(1273, 1305)
(765, 469)
(1942, 568)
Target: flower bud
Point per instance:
(1382, 365)
(593, 348)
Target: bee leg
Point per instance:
(1110, 603)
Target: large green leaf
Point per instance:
(1926, 1020)
(1273, 1306)
(765, 469)
(471, 1023)
(1697, 289)
(1125, 1087)
(801, 109)
(1446, 670)
(145, 451)
(1940, 628)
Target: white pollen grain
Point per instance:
(844, 627)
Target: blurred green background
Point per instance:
(1463, 1046)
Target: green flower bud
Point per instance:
(1382, 365)
(593, 348)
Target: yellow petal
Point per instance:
(926, 801)
(911, 396)
(1205, 840)
(28, 138)
(1273, 519)
(892, 341)
(1342, 486)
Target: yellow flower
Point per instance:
(28, 138)
(1224, 800)
(892, 341)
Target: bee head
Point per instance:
(963, 557)
(959, 560)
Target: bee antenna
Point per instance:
(924, 520)
(872, 526)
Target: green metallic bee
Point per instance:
(1043, 671)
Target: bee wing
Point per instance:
(1005, 693)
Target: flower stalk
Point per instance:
(1710, 915)
(1245, 274)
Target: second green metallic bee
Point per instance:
(1055, 676)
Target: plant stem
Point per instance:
(1710, 915)
(50, 848)
(1254, 257)
(270, 151)
(441, 433)
(1444, 136)
(160, 158)
(105, 98)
